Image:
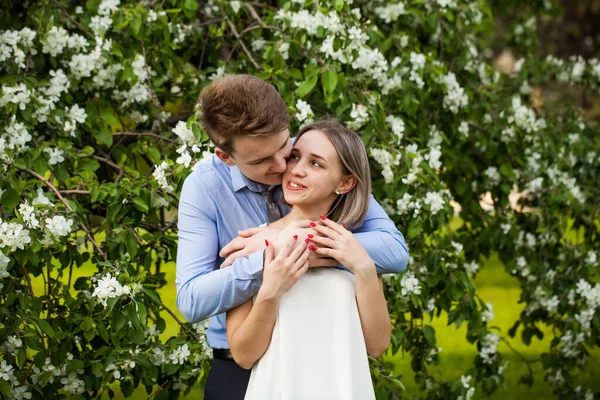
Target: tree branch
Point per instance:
(66, 203)
(145, 133)
(238, 37)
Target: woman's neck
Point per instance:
(299, 213)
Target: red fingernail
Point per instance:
(267, 243)
(311, 248)
(342, 225)
(306, 240)
(310, 236)
(295, 237)
(313, 224)
(322, 218)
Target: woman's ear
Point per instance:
(226, 158)
(347, 184)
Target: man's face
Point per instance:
(263, 158)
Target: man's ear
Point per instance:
(225, 157)
(347, 184)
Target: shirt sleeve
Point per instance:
(202, 290)
(382, 240)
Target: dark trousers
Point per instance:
(226, 381)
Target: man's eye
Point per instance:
(294, 156)
(258, 162)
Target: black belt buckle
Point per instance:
(222, 354)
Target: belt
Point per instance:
(222, 354)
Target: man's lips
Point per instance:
(292, 185)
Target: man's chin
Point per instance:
(273, 179)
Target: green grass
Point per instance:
(494, 285)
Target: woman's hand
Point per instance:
(337, 242)
(283, 270)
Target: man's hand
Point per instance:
(243, 246)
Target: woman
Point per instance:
(307, 334)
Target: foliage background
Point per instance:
(94, 151)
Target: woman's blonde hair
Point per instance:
(351, 207)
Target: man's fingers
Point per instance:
(236, 244)
(232, 257)
(246, 233)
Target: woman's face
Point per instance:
(314, 171)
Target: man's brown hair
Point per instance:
(240, 105)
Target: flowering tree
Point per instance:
(98, 133)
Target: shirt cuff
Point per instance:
(255, 265)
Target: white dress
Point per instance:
(317, 351)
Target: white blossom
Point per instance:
(72, 384)
(396, 125)
(410, 284)
(489, 348)
(185, 158)
(455, 97)
(304, 111)
(55, 155)
(59, 226)
(493, 176)
(4, 260)
(109, 288)
(107, 7)
(390, 12)
(13, 235)
(184, 133)
(41, 198)
(435, 202)
(471, 267)
(488, 314)
(180, 354)
(28, 214)
(159, 175)
(359, 115)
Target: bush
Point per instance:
(98, 134)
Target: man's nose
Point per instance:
(280, 164)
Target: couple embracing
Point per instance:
(283, 245)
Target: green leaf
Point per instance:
(307, 86)
(10, 198)
(46, 328)
(429, 334)
(140, 204)
(130, 244)
(104, 137)
(136, 23)
(329, 80)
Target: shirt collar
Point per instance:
(240, 181)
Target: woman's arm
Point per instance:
(339, 243)
(250, 326)
(249, 330)
(373, 311)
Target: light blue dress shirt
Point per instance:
(216, 202)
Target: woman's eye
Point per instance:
(316, 164)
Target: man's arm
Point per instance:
(203, 291)
(382, 240)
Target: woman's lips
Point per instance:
(296, 187)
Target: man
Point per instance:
(239, 188)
